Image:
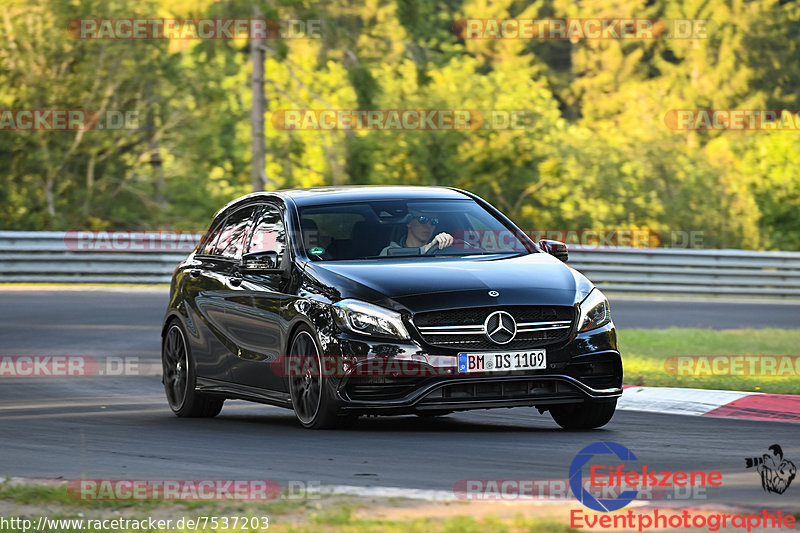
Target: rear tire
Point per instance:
(179, 377)
(309, 388)
(587, 415)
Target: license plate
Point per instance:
(501, 361)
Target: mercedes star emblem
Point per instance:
(500, 327)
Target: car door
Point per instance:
(209, 287)
(256, 307)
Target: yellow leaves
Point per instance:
(216, 173)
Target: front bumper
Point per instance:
(586, 368)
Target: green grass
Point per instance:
(457, 524)
(47, 285)
(285, 515)
(55, 286)
(645, 354)
(57, 497)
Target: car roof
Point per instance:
(326, 195)
(335, 195)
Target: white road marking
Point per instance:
(673, 400)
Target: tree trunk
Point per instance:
(258, 178)
(87, 202)
(153, 148)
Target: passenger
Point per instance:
(420, 230)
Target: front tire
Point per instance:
(587, 415)
(179, 377)
(309, 388)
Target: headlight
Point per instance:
(367, 319)
(595, 311)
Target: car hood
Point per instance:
(443, 282)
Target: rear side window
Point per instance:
(232, 237)
(269, 233)
(210, 238)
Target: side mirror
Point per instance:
(555, 248)
(267, 260)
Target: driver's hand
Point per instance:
(443, 240)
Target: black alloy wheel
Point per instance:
(308, 387)
(179, 377)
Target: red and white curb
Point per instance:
(717, 403)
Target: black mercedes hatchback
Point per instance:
(338, 302)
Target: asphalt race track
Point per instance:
(120, 427)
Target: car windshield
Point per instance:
(398, 228)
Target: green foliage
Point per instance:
(595, 151)
(768, 165)
(647, 357)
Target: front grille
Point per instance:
(502, 390)
(380, 388)
(461, 329)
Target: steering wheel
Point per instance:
(433, 250)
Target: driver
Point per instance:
(420, 230)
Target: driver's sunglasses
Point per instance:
(425, 220)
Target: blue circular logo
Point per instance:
(576, 476)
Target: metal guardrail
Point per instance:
(78, 257)
(73, 257)
(687, 271)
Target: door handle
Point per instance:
(236, 279)
(195, 273)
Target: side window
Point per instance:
(269, 233)
(232, 237)
(210, 238)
